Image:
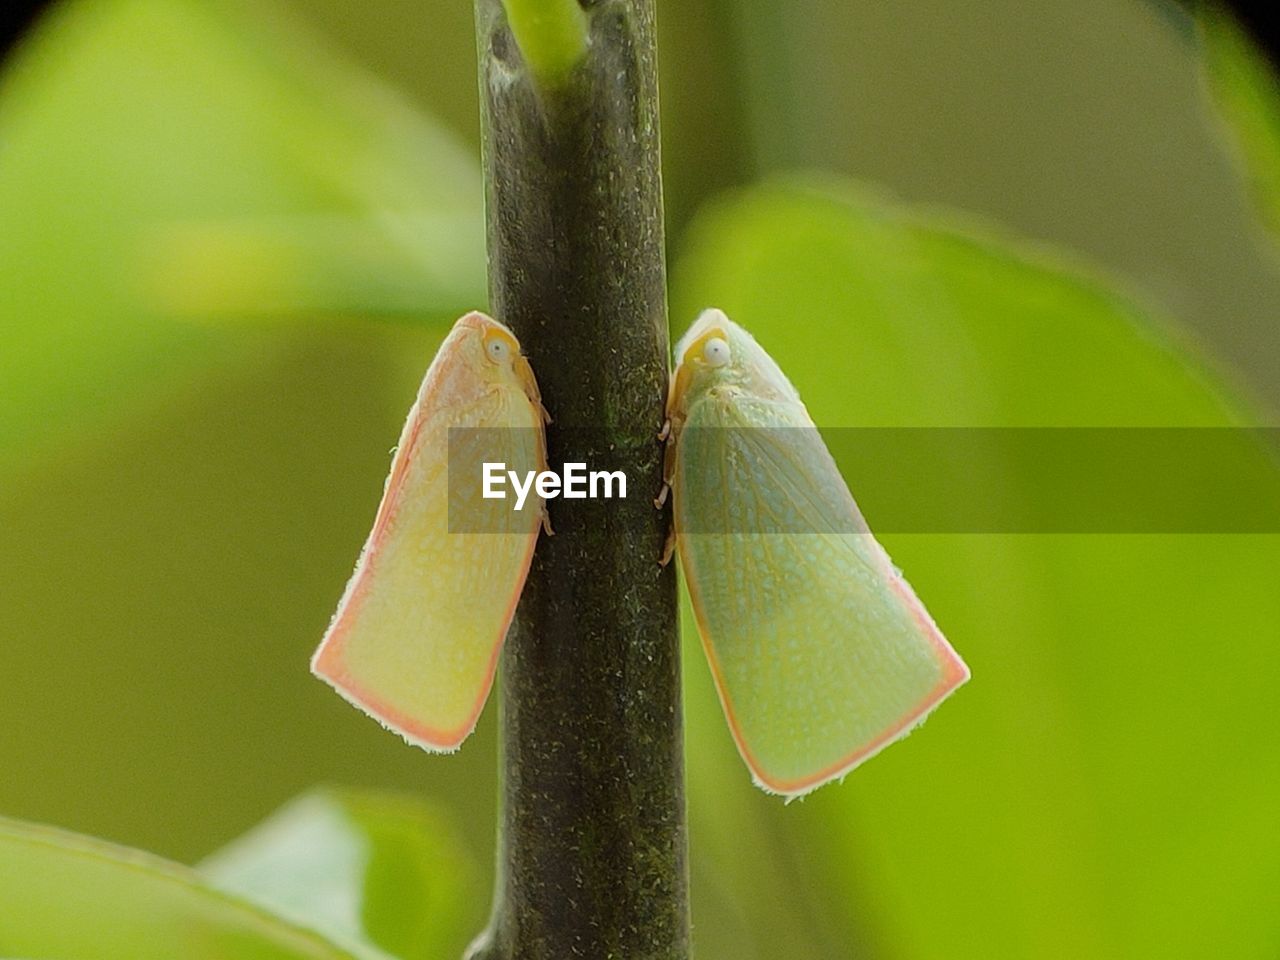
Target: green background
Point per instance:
(231, 238)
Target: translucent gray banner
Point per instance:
(914, 480)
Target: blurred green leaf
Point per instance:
(1243, 85)
(65, 895)
(178, 571)
(1100, 787)
(374, 869)
(169, 161)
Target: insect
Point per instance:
(821, 653)
(416, 636)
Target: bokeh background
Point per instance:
(232, 235)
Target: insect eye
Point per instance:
(498, 350)
(715, 352)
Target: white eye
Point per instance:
(715, 352)
(498, 350)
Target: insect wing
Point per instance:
(821, 653)
(415, 640)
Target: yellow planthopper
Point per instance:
(822, 654)
(415, 640)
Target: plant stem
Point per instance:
(592, 848)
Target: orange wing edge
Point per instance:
(954, 674)
(329, 664)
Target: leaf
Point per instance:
(166, 162)
(1087, 794)
(1243, 86)
(377, 870)
(66, 895)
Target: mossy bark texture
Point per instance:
(592, 843)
